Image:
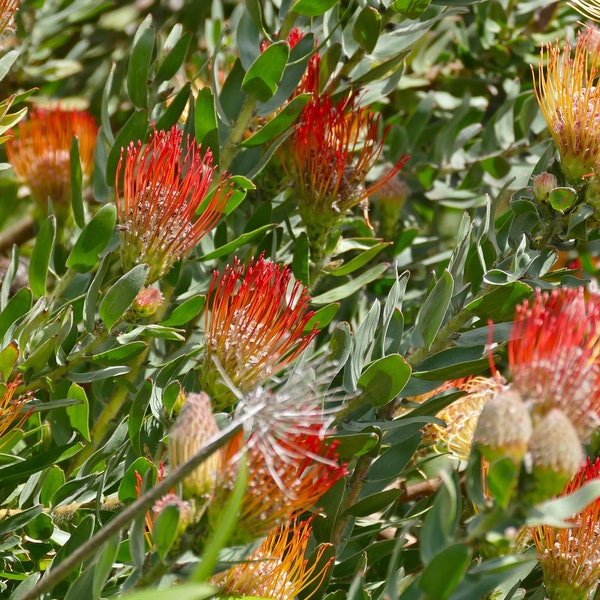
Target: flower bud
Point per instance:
(185, 512)
(543, 184)
(556, 456)
(146, 303)
(194, 426)
(504, 428)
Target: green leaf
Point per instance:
(120, 354)
(351, 287)
(235, 244)
(174, 59)
(77, 185)
(105, 564)
(8, 359)
(7, 61)
(54, 479)
(355, 444)
(205, 121)
(175, 109)
(185, 312)
(384, 379)
(322, 317)
(362, 259)
(499, 304)
(445, 571)
(502, 478)
(93, 239)
(263, 76)
(312, 8)
(136, 416)
(121, 295)
(15, 522)
(18, 306)
(300, 260)
(164, 532)
(275, 126)
(433, 312)
(40, 256)
(139, 63)
(184, 591)
(373, 503)
(79, 413)
(88, 376)
(562, 198)
(91, 298)
(367, 28)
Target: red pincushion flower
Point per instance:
(255, 325)
(40, 153)
(164, 188)
(570, 557)
(554, 356)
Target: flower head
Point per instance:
(255, 326)
(291, 463)
(334, 147)
(588, 8)
(278, 569)
(554, 355)
(40, 152)
(569, 98)
(13, 412)
(8, 8)
(570, 557)
(164, 187)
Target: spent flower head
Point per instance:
(570, 556)
(569, 98)
(554, 355)
(40, 152)
(278, 569)
(164, 204)
(255, 326)
(291, 462)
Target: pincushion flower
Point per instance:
(569, 98)
(291, 462)
(278, 569)
(588, 8)
(554, 355)
(570, 557)
(13, 411)
(254, 327)
(163, 205)
(8, 8)
(333, 149)
(40, 152)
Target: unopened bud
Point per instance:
(504, 428)
(194, 426)
(543, 184)
(185, 511)
(146, 303)
(556, 456)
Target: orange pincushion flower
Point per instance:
(164, 187)
(554, 356)
(569, 98)
(8, 8)
(13, 411)
(255, 326)
(570, 557)
(291, 464)
(40, 153)
(278, 569)
(334, 147)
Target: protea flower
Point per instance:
(554, 355)
(291, 463)
(254, 327)
(569, 97)
(13, 411)
(278, 569)
(164, 208)
(570, 557)
(40, 152)
(8, 8)
(333, 149)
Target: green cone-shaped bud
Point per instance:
(556, 456)
(194, 426)
(504, 428)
